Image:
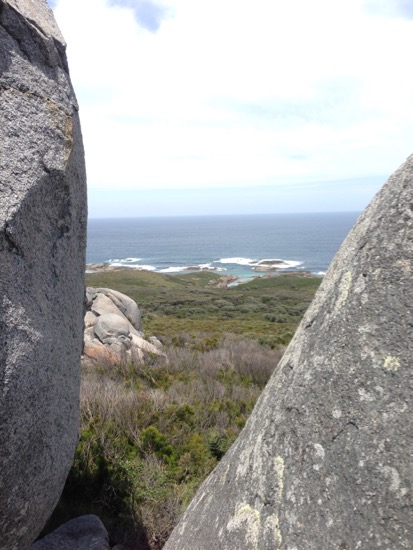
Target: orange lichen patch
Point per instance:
(98, 352)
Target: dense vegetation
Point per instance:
(151, 433)
(267, 308)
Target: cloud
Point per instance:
(148, 14)
(331, 103)
(229, 95)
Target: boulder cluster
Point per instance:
(113, 329)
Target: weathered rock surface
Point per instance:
(325, 459)
(113, 328)
(42, 249)
(127, 306)
(82, 533)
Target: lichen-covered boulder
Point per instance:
(325, 459)
(42, 261)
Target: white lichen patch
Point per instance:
(291, 518)
(272, 523)
(365, 395)
(336, 413)
(279, 468)
(404, 265)
(391, 364)
(244, 462)
(248, 520)
(343, 292)
(360, 285)
(393, 475)
(319, 451)
(330, 522)
(225, 474)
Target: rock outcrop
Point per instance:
(113, 329)
(325, 459)
(82, 533)
(42, 261)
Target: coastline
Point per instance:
(224, 281)
(243, 246)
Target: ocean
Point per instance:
(240, 245)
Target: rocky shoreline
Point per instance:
(224, 280)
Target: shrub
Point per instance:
(151, 433)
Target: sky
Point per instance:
(232, 106)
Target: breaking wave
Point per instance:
(269, 264)
(199, 267)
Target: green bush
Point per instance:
(153, 441)
(151, 433)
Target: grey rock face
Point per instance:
(111, 325)
(82, 533)
(42, 249)
(126, 305)
(106, 300)
(102, 305)
(325, 459)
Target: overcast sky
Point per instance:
(234, 106)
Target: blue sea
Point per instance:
(237, 245)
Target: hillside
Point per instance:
(266, 309)
(151, 433)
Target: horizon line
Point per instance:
(223, 215)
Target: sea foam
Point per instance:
(274, 263)
(199, 267)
